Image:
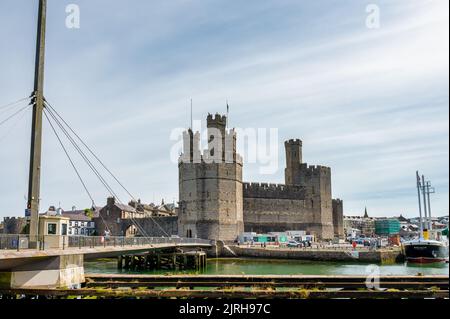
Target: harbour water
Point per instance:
(279, 267)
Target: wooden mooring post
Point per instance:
(195, 260)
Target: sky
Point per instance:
(371, 103)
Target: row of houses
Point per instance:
(87, 222)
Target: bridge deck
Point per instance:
(13, 258)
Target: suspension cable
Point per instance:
(51, 110)
(74, 167)
(80, 151)
(16, 102)
(14, 114)
(90, 151)
(94, 169)
(68, 156)
(11, 128)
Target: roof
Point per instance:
(126, 208)
(80, 215)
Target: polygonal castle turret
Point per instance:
(221, 143)
(210, 184)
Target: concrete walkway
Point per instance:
(11, 258)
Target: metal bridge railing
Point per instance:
(44, 242)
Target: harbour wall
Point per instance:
(382, 256)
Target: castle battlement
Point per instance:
(294, 142)
(207, 160)
(216, 119)
(276, 191)
(315, 170)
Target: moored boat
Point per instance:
(425, 251)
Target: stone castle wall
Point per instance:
(14, 225)
(277, 208)
(216, 204)
(211, 200)
(338, 218)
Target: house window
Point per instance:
(51, 229)
(63, 229)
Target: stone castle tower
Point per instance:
(317, 181)
(210, 184)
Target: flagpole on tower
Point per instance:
(192, 121)
(228, 114)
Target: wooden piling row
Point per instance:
(168, 261)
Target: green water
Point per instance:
(279, 267)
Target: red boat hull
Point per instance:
(425, 260)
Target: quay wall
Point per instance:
(363, 256)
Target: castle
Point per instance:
(215, 203)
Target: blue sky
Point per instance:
(371, 103)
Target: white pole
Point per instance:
(430, 222)
(420, 206)
(424, 202)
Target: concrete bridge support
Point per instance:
(65, 271)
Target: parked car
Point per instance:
(293, 243)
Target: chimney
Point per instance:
(110, 201)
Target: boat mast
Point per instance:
(420, 206)
(429, 191)
(424, 203)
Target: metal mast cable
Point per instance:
(14, 114)
(16, 102)
(90, 151)
(70, 159)
(72, 163)
(106, 168)
(99, 176)
(86, 159)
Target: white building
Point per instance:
(80, 222)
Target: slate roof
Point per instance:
(125, 208)
(80, 215)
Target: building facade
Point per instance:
(216, 204)
(136, 219)
(366, 225)
(81, 222)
